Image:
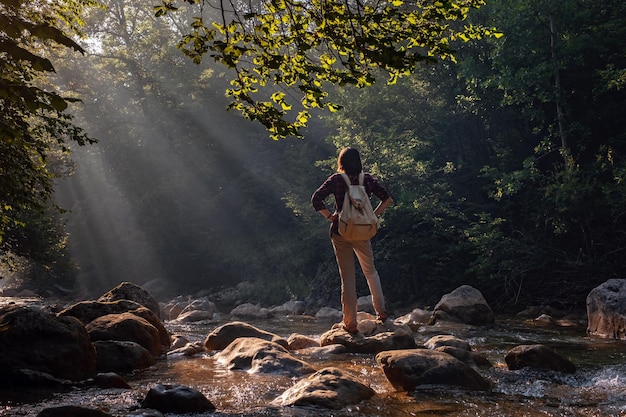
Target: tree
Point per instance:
(34, 121)
(304, 46)
(550, 93)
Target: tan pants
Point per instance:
(344, 252)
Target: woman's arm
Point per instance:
(380, 208)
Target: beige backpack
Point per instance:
(357, 220)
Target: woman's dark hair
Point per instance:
(349, 161)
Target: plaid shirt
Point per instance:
(336, 185)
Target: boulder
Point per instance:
(121, 356)
(178, 341)
(110, 380)
(249, 311)
(385, 336)
(538, 357)
(13, 378)
(88, 311)
(194, 316)
(324, 352)
(365, 304)
(407, 369)
(292, 307)
(200, 304)
(466, 356)
(464, 305)
(261, 356)
(415, 319)
(458, 348)
(126, 327)
(328, 314)
(177, 399)
(298, 341)
(40, 341)
(190, 349)
(173, 308)
(606, 310)
(446, 340)
(328, 388)
(224, 335)
(133, 292)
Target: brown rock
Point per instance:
(126, 327)
(133, 292)
(410, 368)
(88, 311)
(469, 357)
(122, 356)
(446, 340)
(224, 335)
(537, 356)
(40, 341)
(176, 399)
(386, 336)
(329, 388)
(298, 341)
(261, 356)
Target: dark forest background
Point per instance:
(507, 169)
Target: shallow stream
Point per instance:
(598, 388)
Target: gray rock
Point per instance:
(249, 311)
(463, 305)
(328, 314)
(606, 310)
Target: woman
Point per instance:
(349, 162)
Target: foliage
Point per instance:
(303, 47)
(34, 121)
(506, 166)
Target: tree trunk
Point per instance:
(565, 151)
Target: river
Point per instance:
(597, 389)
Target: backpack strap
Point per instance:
(347, 179)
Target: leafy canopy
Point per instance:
(302, 46)
(33, 119)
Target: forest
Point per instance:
(504, 156)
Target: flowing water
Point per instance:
(597, 389)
